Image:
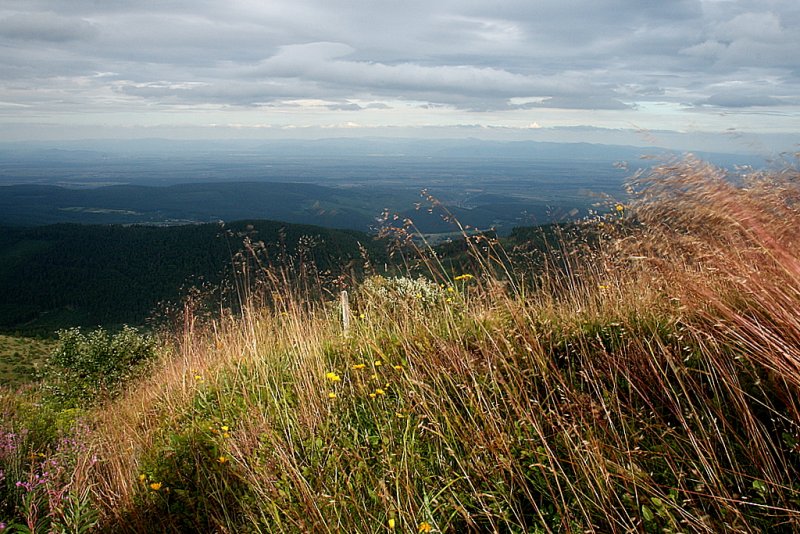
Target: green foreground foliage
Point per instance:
(645, 380)
(86, 367)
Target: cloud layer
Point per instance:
(377, 62)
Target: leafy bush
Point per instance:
(85, 367)
(402, 290)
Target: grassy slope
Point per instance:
(648, 384)
(20, 357)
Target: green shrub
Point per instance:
(86, 367)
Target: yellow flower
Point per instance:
(331, 395)
(391, 523)
(398, 367)
(359, 366)
(224, 428)
(400, 415)
(378, 363)
(371, 395)
(362, 315)
(155, 486)
(333, 377)
(620, 208)
(225, 435)
(199, 378)
(379, 391)
(463, 277)
(424, 527)
(222, 460)
(142, 477)
(450, 289)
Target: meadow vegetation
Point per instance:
(641, 374)
(20, 358)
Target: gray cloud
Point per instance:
(328, 63)
(503, 57)
(582, 102)
(734, 100)
(344, 106)
(45, 26)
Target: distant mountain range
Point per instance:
(419, 149)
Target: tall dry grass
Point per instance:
(645, 379)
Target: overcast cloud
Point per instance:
(198, 65)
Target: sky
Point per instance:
(720, 73)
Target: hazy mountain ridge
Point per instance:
(81, 150)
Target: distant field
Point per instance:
(20, 357)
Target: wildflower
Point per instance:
(371, 395)
(333, 377)
(362, 315)
(142, 477)
(424, 527)
(400, 415)
(373, 377)
(379, 391)
(224, 428)
(461, 277)
(225, 435)
(155, 486)
(378, 363)
(358, 366)
(222, 460)
(398, 367)
(391, 523)
(331, 395)
(450, 289)
(199, 378)
(620, 208)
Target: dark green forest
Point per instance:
(87, 275)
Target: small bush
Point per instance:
(85, 367)
(402, 290)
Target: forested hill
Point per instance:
(68, 274)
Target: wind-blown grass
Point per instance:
(646, 379)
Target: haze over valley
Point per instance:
(341, 183)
